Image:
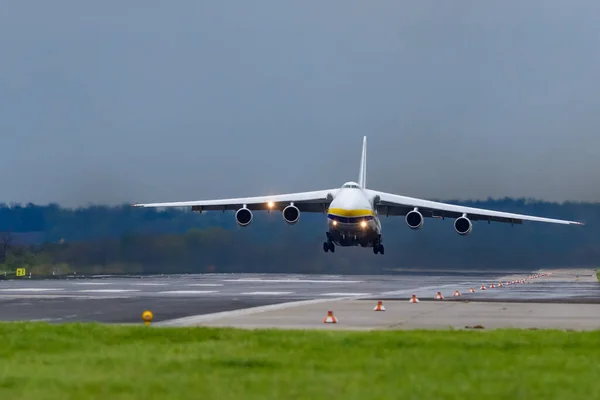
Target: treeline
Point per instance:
(102, 239)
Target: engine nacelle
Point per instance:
(414, 219)
(463, 226)
(291, 214)
(243, 216)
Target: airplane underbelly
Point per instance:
(354, 233)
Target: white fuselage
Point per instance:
(351, 218)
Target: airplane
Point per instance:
(353, 211)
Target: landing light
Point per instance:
(270, 204)
(334, 223)
(363, 224)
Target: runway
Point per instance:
(173, 297)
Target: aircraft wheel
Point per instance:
(375, 249)
(325, 247)
(381, 249)
(332, 247)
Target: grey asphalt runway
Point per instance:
(123, 299)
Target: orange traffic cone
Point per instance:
(414, 299)
(471, 290)
(456, 293)
(379, 306)
(330, 319)
(439, 296)
(492, 286)
(482, 287)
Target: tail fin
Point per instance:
(362, 175)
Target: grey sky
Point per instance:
(112, 101)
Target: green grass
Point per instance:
(598, 274)
(79, 361)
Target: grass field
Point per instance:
(79, 361)
(598, 274)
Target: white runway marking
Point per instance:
(422, 288)
(58, 296)
(149, 284)
(338, 294)
(265, 293)
(93, 283)
(205, 284)
(288, 280)
(31, 289)
(196, 319)
(188, 292)
(107, 290)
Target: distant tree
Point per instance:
(126, 239)
(6, 239)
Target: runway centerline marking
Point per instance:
(188, 291)
(149, 284)
(288, 280)
(265, 293)
(108, 290)
(93, 283)
(205, 284)
(31, 289)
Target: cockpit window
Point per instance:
(350, 185)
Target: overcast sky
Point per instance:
(121, 101)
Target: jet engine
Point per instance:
(291, 214)
(243, 216)
(463, 226)
(414, 219)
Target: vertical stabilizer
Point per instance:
(362, 175)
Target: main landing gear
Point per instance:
(378, 247)
(328, 245)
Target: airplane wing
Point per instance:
(392, 204)
(315, 201)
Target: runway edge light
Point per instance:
(147, 316)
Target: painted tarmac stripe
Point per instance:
(420, 289)
(188, 292)
(205, 284)
(31, 289)
(265, 293)
(107, 290)
(196, 319)
(288, 280)
(149, 284)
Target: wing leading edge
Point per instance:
(393, 204)
(315, 201)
